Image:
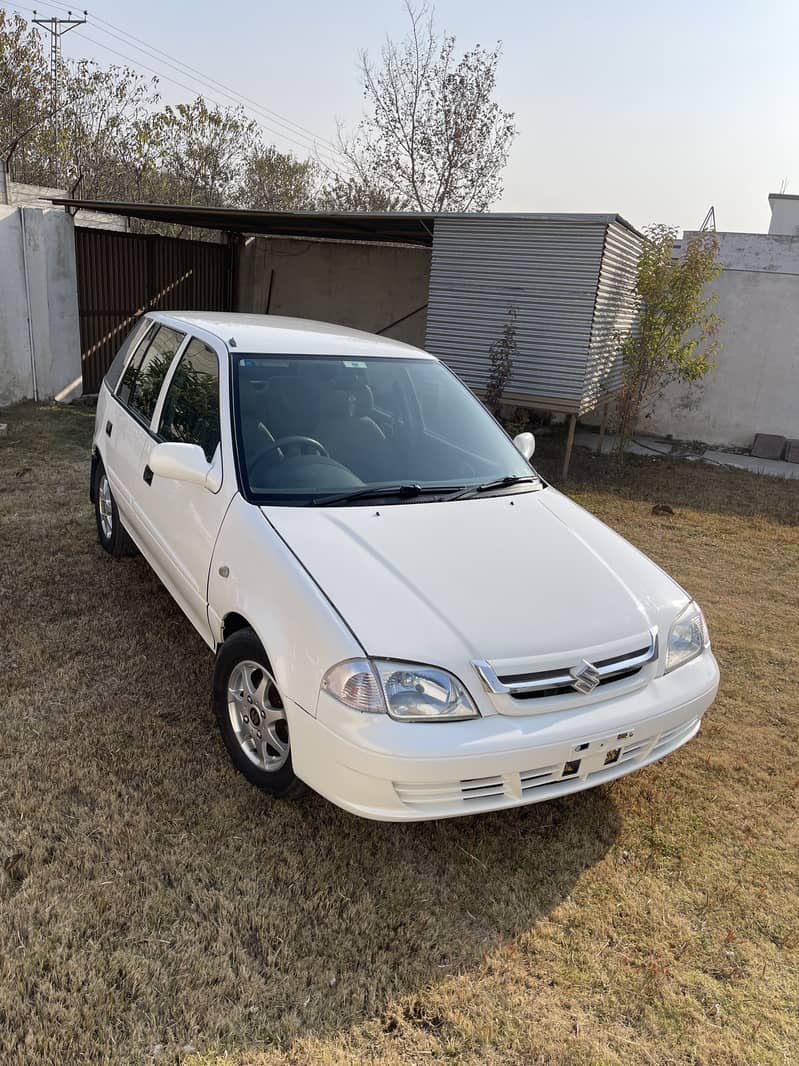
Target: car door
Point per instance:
(127, 429)
(182, 519)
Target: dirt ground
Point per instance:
(155, 907)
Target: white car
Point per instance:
(405, 616)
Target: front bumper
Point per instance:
(400, 771)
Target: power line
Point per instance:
(188, 88)
(174, 60)
(205, 86)
(204, 79)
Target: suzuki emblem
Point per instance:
(586, 677)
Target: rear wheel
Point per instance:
(252, 717)
(111, 533)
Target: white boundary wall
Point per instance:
(39, 332)
(754, 387)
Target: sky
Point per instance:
(655, 110)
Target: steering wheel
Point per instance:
(318, 448)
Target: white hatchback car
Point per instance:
(405, 616)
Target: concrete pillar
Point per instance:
(39, 334)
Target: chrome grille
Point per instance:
(571, 678)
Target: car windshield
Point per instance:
(312, 427)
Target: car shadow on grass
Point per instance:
(343, 916)
(152, 898)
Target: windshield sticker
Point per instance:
(354, 364)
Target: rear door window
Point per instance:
(191, 406)
(141, 383)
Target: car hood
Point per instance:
(504, 577)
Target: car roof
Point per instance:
(276, 335)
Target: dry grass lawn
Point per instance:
(155, 906)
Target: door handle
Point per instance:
(148, 475)
(108, 428)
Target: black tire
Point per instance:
(240, 648)
(113, 536)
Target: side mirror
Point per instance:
(181, 462)
(525, 443)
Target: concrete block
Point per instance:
(792, 451)
(768, 446)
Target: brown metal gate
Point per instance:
(122, 275)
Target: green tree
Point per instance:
(357, 193)
(434, 138)
(103, 108)
(114, 136)
(275, 181)
(676, 337)
(24, 98)
(500, 359)
(200, 152)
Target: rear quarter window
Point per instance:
(144, 375)
(136, 336)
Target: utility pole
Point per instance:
(56, 27)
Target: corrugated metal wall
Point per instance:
(546, 267)
(122, 275)
(615, 311)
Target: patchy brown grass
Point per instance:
(152, 903)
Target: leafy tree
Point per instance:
(102, 111)
(24, 96)
(677, 332)
(357, 193)
(500, 358)
(201, 151)
(114, 136)
(434, 138)
(276, 181)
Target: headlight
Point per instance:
(406, 691)
(688, 637)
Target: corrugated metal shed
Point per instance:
(569, 279)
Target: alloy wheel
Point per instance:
(257, 715)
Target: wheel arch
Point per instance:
(233, 622)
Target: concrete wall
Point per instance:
(784, 214)
(367, 286)
(39, 333)
(22, 195)
(755, 386)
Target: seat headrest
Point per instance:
(288, 391)
(364, 400)
(336, 402)
(356, 401)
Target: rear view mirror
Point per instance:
(525, 443)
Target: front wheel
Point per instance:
(252, 718)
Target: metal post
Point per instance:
(569, 445)
(56, 27)
(603, 425)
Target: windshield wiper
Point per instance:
(487, 486)
(406, 491)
